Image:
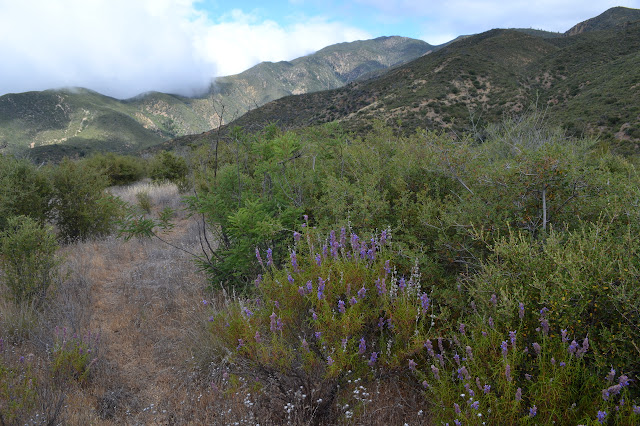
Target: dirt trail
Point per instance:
(144, 298)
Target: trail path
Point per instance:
(144, 298)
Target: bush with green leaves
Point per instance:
(340, 316)
(119, 169)
(24, 190)
(166, 166)
(336, 311)
(81, 208)
(28, 258)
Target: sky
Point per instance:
(122, 48)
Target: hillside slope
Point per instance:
(589, 83)
(77, 121)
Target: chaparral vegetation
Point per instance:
(318, 276)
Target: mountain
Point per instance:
(78, 121)
(589, 83)
(611, 18)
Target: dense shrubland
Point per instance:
(442, 278)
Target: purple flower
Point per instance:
(545, 326)
(537, 348)
(279, 324)
(475, 405)
(258, 256)
(387, 267)
(436, 372)
(317, 334)
(381, 322)
(494, 300)
(507, 372)
(362, 347)
(573, 347)
(211, 318)
(373, 358)
(519, 394)
(469, 352)
(456, 407)
(294, 261)
(383, 237)
(562, 364)
(505, 349)
(344, 343)
(461, 328)
(273, 324)
(623, 380)
(512, 337)
(401, 284)
(425, 302)
(491, 322)
(429, 347)
(247, 312)
(329, 361)
(305, 217)
(463, 374)
(381, 286)
(521, 310)
(204, 302)
(636, 409)
(309, 286)
(301, 291)
(553, 361)
(240, 344)
(321, 284)
(533, 411)
(318, 259)
(412, 365)
(425, 384)
(296, 236)
(585, 347)
(305, 345)
(269, 257)
(290, 279)
(528, 376)
(601, 416)
(456, 358)
(362, 292)
(605, 394)
(611, 375)
(314, 316)
(486, 388)
(353, 301)
(258, 280)
(563, 332)
(341, 307)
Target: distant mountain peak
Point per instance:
(609, 19)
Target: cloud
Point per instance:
(122, 48)
(443, 20)
(240, 40)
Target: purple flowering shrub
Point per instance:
(486, 372)
(73, 357)
(337, 310)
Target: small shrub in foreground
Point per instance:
(28, 259)
(73, 356)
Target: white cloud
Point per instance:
(241, 40)
(126, 47)
(443, 20)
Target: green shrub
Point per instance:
(338, 306)
(119, 169)
(166, 166)
(24, 190)
(28, 259)
(81, 207)
(144, 201)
